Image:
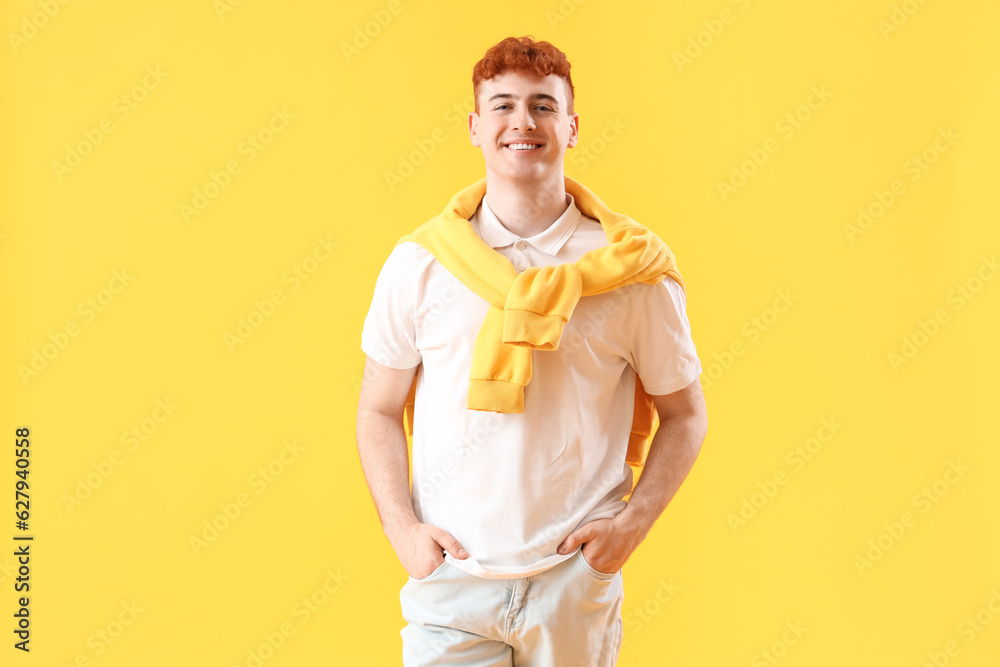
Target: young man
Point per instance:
(516, 529)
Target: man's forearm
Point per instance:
(385, 461)
(672, 453)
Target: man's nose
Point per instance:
(523, 120)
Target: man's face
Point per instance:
(518, 109)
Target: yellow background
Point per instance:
(895, 77)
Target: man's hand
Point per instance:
(607, 543)
(420, 546)
(384, 458)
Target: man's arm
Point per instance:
(385, 461)
(672, 452)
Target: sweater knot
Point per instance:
(539, 303)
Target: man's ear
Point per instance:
(574, 133)
(473, 128)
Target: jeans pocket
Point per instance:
(597, 574)
(438, 570)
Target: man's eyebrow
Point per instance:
(536, 96)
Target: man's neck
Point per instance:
(527, 209)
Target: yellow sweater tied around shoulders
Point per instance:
(529, 310)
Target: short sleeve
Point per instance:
(662, 350)
(389, 335)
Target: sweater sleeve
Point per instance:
(662, 350)
(389, 334)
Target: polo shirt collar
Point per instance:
(549, 241)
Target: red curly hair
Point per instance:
(523, 55)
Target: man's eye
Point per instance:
(546, 108)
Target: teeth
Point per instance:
(522, 147)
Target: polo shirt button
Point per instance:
(520, 267)
(520, 245)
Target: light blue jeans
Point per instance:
(566, 616)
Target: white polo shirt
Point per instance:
(511, 487)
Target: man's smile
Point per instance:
(523, 146)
